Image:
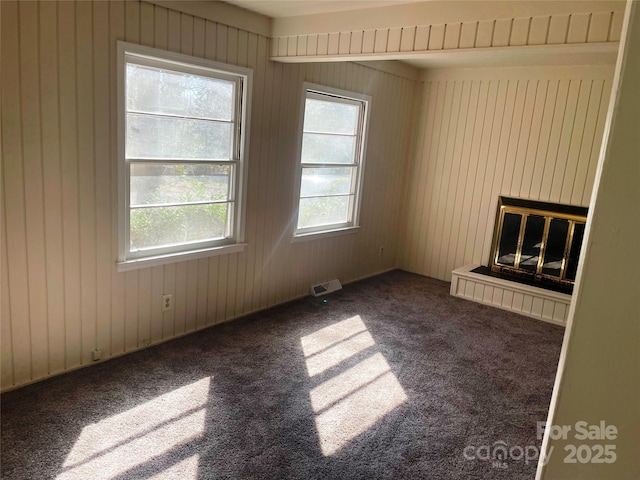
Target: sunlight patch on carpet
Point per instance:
(334, 344)
(354, 399)
(328, 336)
(146, 432)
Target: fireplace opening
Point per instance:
(537, 243)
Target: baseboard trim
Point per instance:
(175, 337)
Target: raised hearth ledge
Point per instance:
(528, 300)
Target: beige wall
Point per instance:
(61, 295)
(599, 371)
(531, 132)
(523, 132)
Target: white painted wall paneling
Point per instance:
(531, 133)
(61, 294)
(587, 27)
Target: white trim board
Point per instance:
(546, 72)
(534, 302)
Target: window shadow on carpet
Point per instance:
(354, 397)
(389, 378)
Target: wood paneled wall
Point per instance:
(529, 132)
(61, 295)
(596, 27)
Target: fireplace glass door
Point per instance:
(535, 240)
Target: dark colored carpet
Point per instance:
(389, 378)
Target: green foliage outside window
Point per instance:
(166, 225)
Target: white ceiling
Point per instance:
(294, 8)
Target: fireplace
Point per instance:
(537, 242)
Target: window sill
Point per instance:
(137, 263)
(304, 237)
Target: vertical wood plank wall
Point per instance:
(528, 132)
(61, 295)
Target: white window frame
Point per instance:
(352, 225)
(232, 243)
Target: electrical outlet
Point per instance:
(96, 354)
(381, 251)
(167, 302)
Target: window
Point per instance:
(182, 131)
(331, 160)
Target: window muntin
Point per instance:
(331, 158)
(182, 147)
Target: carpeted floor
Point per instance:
(389, 378)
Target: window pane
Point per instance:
(574, 253)
(153, 183)
(532, 243)
(163, 226)
(554, 250)
(508, 245)
(326, 181)
(163, 137)
(156, 90)
(327, 148)
(330, 117)
(323, 211)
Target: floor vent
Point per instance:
(324, 288)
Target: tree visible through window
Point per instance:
(331, 159)
(182, 164)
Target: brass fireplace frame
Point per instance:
(549, 211)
